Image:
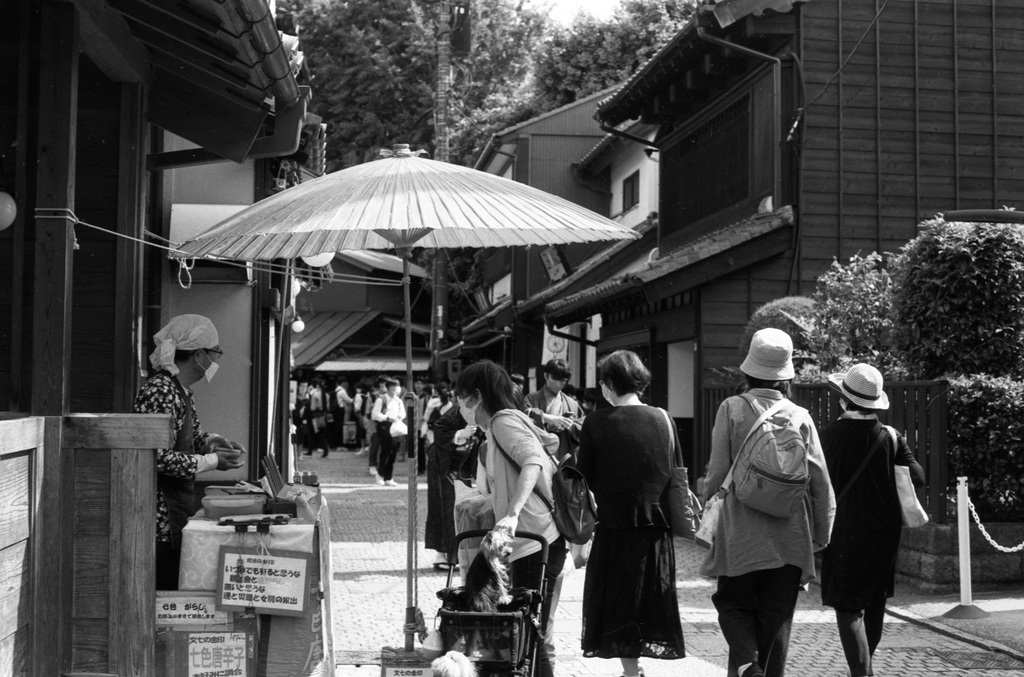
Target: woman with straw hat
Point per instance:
(859, 566)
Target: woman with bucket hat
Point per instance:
(761, 560)
(859, 566)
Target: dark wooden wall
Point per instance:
(924, 118)
(94, 281)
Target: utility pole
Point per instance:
(439, 281)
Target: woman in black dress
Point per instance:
(859, 566)
(627, 452)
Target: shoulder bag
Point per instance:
(572, 503)
(683, 505)
(912, 512)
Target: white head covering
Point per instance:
(770, 357)
(184, 332)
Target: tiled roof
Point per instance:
(624, 285)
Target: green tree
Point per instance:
(374, 70)
(852, 315)
(590, 55)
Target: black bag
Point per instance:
(572, 507)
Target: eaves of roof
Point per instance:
(597, 267)
(626, 101)
(634, 286)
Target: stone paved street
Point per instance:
(369, 599)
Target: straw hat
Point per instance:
(770, 357)
(862, 385)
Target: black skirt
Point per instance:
(630, 608)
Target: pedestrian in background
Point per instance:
(760, 560)
(627, 453)
(378, 391)
(388, 410)
(859, 566)
(553, 410)
(319, 405)
(439, 533)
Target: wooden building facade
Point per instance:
(104, 104)
(795, 132)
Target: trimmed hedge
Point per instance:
(986, 442)
(958, 300)
(780, 313)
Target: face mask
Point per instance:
(208, 372)
(468, 413)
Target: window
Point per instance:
(631, 191)
(710, 166)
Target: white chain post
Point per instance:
(966, 608)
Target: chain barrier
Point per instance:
(981, 527)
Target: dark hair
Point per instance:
(496, 388)
(557, 368)
(624, 372)
(391, 382)
(781, 386)
(518, 379)
(442, 392)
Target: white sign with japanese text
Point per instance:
(275, 582)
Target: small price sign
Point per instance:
(176, 609)
(275, 582)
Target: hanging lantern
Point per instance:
(318, 260)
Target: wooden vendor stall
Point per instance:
(254, 594)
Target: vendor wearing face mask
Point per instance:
(187, 350)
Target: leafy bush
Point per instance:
(852, 320)
(958, 301)
(792, 314)
(986, 442)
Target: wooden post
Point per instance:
(51, 557)
(55, 189)
(130, 211)
(54, 242)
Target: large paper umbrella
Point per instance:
(400, 202)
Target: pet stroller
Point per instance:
(504, 642)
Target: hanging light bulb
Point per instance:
(8, 209)
(298, 325)
(318, 260)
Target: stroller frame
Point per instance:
(517, 630)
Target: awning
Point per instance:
(730, 248)
(216, 64)
(371, 260)
(374, 364)
(417, 328)
(324, 332)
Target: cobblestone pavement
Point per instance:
(369, 588)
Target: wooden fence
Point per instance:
(916, 408)
(77, 544)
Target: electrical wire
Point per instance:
(262, 266)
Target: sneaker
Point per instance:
(380, 480)
(390, 483)
(361, 452)
(373, 471)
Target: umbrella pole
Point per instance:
(410, 557)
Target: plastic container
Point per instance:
(215, 507)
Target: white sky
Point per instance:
(563, 11)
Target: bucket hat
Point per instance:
(770, 357)
(862, 385)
